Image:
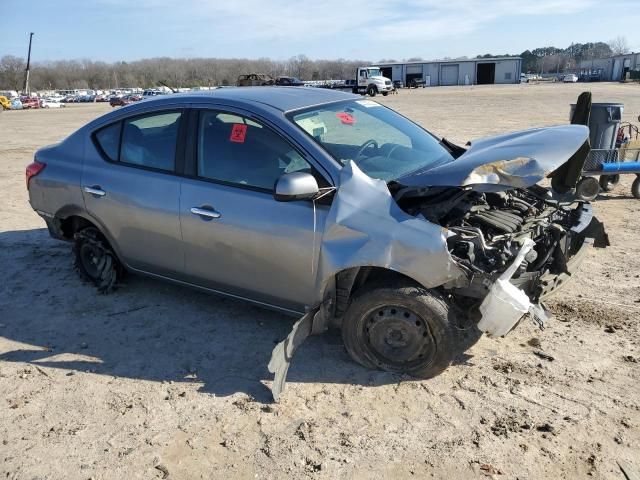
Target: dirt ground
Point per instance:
(158, 381)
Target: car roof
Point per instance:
(280, 98)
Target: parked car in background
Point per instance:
(30, 102)
(51, 103)
(153, 92)
(397, 84)
(255, 80)
(570, 78)
(289, 82)
(119, 101)
(5, 104)
(10, 94)
(368, 222)
(529, 77)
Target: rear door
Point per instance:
(237, 238)
(130, 187)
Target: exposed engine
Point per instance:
(487, 229)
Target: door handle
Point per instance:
(95, 190)
(205, 212)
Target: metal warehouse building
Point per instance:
(612, 68)
(477, 71)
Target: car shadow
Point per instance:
(152, 330)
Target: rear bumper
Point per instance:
(54, 225)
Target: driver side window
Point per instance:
(237, 150)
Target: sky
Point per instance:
(114, 30)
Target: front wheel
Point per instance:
(384, 94)
(404, 330)
(371, 91)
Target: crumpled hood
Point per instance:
(515, 160)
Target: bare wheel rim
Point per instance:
(90, 256)
(398, 338)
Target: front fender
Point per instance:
(366, 228)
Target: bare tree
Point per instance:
(619, 45)
(12, 72)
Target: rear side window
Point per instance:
(150, 141)
(109, 140)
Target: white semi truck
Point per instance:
(369, 81)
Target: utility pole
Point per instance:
(25, 88)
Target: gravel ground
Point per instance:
(158, 381)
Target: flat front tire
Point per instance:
(405, 329)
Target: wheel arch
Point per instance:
(70, 219)
(349, 280)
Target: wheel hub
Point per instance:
(90, 257)
(397, 335)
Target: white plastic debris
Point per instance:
(505, 304)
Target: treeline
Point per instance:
(175, 72)
(198, 72)
(556, 60)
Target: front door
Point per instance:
(237, 238)
(363, 78)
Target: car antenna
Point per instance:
(173, 90)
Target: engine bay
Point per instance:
(486, 230)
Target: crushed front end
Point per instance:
(487, 230)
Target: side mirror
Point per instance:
(296, 186)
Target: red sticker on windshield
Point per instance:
(346, 118)
(238, 132)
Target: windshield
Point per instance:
(381, 142)
(374, 72)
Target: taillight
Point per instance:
(34, 169)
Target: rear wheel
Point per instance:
(404, 330)
(587, 188)
(608, 182)
(95, 261)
